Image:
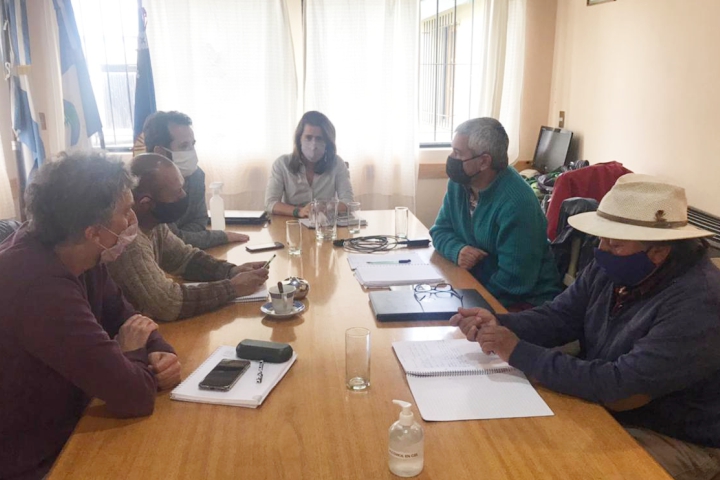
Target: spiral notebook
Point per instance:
(454, 380)
(246, 392)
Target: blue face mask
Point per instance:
(626, 271)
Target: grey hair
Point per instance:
(76, 191)
(487, 135)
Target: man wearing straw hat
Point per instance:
(647, 315)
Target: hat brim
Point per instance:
(592, 223)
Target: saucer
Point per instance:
(267, 309)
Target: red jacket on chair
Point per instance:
(589, 182)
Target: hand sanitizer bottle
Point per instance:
(406, 444)
(217, 207)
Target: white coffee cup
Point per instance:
(282, 302)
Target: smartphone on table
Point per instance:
(264, 247)
(225, 375)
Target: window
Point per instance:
(469, 56)
(437, 74)
(108, 31)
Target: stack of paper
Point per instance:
(386, 275)
(246, 392)
(454, 380)
(259, 296)
(357, 259)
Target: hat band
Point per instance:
(641, 223)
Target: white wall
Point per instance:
(640, 83)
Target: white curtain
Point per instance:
(361, 71)
(229, 65)
(498, 55)
(7, 166)
(7, 204)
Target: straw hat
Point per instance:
(641, 208)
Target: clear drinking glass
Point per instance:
(357, 358)
(401, 222)
(353, 218)
(293, 231)
(323, 214)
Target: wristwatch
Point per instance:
(296, 212)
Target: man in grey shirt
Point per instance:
(170, 134)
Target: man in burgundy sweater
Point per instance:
(66, 332)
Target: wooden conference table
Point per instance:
(311, 426)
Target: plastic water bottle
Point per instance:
(217, 207)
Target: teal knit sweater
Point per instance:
(509, 225)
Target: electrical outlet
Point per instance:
(561, 119)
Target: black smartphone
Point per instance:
(264, 247)
(225, 375)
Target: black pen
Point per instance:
(260, 370)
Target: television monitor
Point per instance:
(552, 149)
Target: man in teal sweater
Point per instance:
(490, 222)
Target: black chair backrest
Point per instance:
(562, 245)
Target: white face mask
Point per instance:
(312, 150)
(186, 161)
(124, 238)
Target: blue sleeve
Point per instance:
(680, 349)
(522, 247)
(445, 239)
(554, 323)
(192, 227)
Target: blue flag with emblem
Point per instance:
(82, 119)
(17, 61)
(144, 84)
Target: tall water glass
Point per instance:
(401, 222)
(323, 214)
(293, 231)
(357, 358)
(353, 217)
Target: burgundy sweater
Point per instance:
(57, 352)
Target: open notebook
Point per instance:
(454, 380)
(246, 392)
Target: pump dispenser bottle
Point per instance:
(217, 207)
(406, 444)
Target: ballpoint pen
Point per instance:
(267, 264)
(260, 372)
(407, 260)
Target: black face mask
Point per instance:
(456, 172)
(170, 212)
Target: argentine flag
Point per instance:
(16, 59)
(82, 119)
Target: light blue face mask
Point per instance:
(625, 271)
